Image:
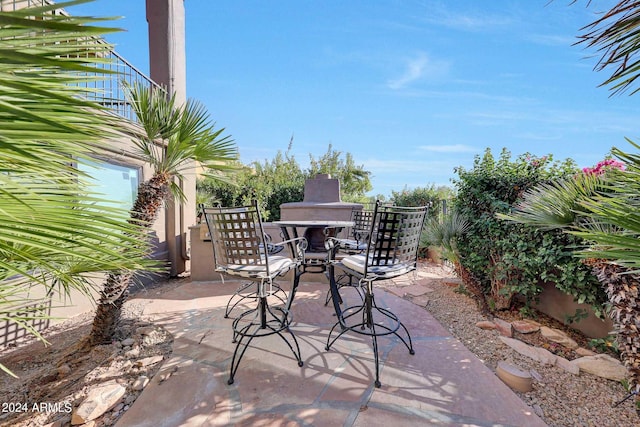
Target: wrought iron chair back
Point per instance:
(362, 220)
(238, 237)
(394, 238)
(242, 249)
(392, 251)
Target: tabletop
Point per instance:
(314, 223)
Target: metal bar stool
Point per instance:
(241, 250)
(392, 251)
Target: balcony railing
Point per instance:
(107, 87)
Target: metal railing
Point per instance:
(107, 89)
(105, 86)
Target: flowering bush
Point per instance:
(511, 258)
(603, 166)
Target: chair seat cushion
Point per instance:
(277, 265)
(357, 264)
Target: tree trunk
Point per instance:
(115, 290)
(472, 286)
(623, 292)
(113, 295)
(501, 300)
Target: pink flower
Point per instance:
(604, 166)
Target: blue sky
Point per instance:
(412, 89)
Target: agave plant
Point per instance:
(445, 233)
(174, 138)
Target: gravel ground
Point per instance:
(561, 399)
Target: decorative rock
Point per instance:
(147, 361)
(559, 337)
(166, 373)
(581, 351)
(61, 422)
(486, 324)
(567, 365)
(140, 383)
(538, 354)
(145, 330)
(99, 400)
(503, 327)
(133, 353)
(514, 377)
(525, 326)
(128, 342)
(536, 375)
(63, 370)
(603, 366)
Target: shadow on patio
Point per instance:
(442, 384)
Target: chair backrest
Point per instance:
(362, 220)
(395, 235)
(237, 236)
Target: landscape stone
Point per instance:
(147, 361)
(133, 353)
(526, 326)
(503, 327)
(538, 354)
(486, 324)
(558, 336)
(99, 400)
(145, 330)
(140, 383)
(128, 342)
(567, 365)
(581, 351)
(603, 366)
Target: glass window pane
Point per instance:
(117, 183)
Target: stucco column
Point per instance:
(167, 63)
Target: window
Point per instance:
(117, 183)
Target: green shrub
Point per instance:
(509, 258)
(431, 196)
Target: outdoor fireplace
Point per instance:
(321, 202)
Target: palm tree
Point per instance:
(173, 138)
(53, 232)
(615, 36)
(604, 210)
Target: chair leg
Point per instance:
(266, 321)
(367, 325)
(242, 294)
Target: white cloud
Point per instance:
(454, 148)
(418, 68)
(472, 19)
(553, 40)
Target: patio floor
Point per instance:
(443, 384)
